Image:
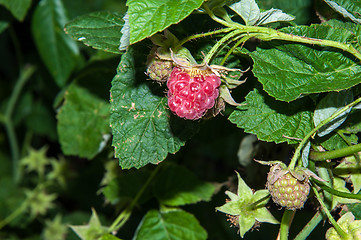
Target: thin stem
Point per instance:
(269, 34)
(297, 154)
(13, 215)
(310, 226)
(125, 214)
(216, 46)
(242, 40)
(192, 37)
(339, 230)
(7, 118)
(343, 152)
(286, 223)
(215, 18)
(336, 192)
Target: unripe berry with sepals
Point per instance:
(159, 69)
(288, 188)
(192, 91)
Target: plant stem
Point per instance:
(297, 154)
(336, 192)
(339, 230)
(286, 223)
(13, 215)
(242, 40)
(125, 214)
(192, 37)
(216, 46)
(343, 152)
(268, 34)
(25, 75)
(310, 226)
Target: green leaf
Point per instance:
(18, 8)
(350, 168)
(348, 8)
(170, 225)
(100, 30)
(339, 185)
(335, 141)
(248, 10)
(120, 192)
(109, 237)
(148, 17)
(125, 39)
(273, 15)
(3, 25)
(144, 131)
(57, 50)
(83, 124)
(273, 120)
(355, 209)
(302, 9)
(176, 186)
(289, 71)
(328, 105)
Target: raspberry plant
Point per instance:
(198, 89)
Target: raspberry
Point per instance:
(192, 91)
(287, 188)
(159, 69)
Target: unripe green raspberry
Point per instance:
(287, 188)
(159, 69)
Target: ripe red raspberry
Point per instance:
(192, 91)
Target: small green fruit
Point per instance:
(287, 188)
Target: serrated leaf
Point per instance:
(121, 193)
(351, 5)
(272, 120)
(149, 17)
(100, 30)
(18, 8)
(335, 141)
(176, 186)
(57, 50)
(167, 225)
(83, 124)
(302, 9)
(144, 131)
(248, 10)
(328, 105)
(273, 15)
(289, 71)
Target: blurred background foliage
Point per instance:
(43, 190)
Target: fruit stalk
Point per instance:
(297, 154)
(328, 214)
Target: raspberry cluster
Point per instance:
(192, 91)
